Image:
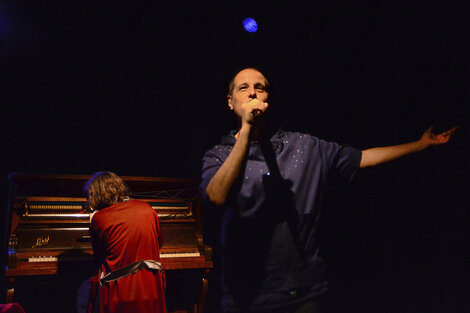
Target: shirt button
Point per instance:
(293, 294)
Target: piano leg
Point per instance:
(11, 290)
(201, 299)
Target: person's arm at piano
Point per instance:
(96, 244)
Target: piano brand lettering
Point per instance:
(41, 241)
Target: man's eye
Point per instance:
(243, 88)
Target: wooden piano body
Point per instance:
(48, 238)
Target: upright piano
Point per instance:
(48, 239)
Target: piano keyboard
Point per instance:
(43, 259)
(162, 255)
(180, 255)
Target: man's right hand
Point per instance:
(248, 111)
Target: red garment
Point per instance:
(122, 234)
(11, 308)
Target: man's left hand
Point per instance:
(431, 139)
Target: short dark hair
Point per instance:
(105, 189)
(231, 85)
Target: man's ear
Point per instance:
(229, 102)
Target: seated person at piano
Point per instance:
(124, 233)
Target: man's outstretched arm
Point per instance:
(380, 155)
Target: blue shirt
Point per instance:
(269, 226)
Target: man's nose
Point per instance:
(252, 93)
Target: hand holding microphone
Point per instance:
(252, 112)
(258, 110)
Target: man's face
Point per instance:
(249, 84)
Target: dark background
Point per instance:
(139, 89)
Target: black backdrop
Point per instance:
(139, 88)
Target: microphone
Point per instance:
(257, 113)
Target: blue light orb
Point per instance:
(250, 25)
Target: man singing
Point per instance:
(269, 187)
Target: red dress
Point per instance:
(122, 234)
